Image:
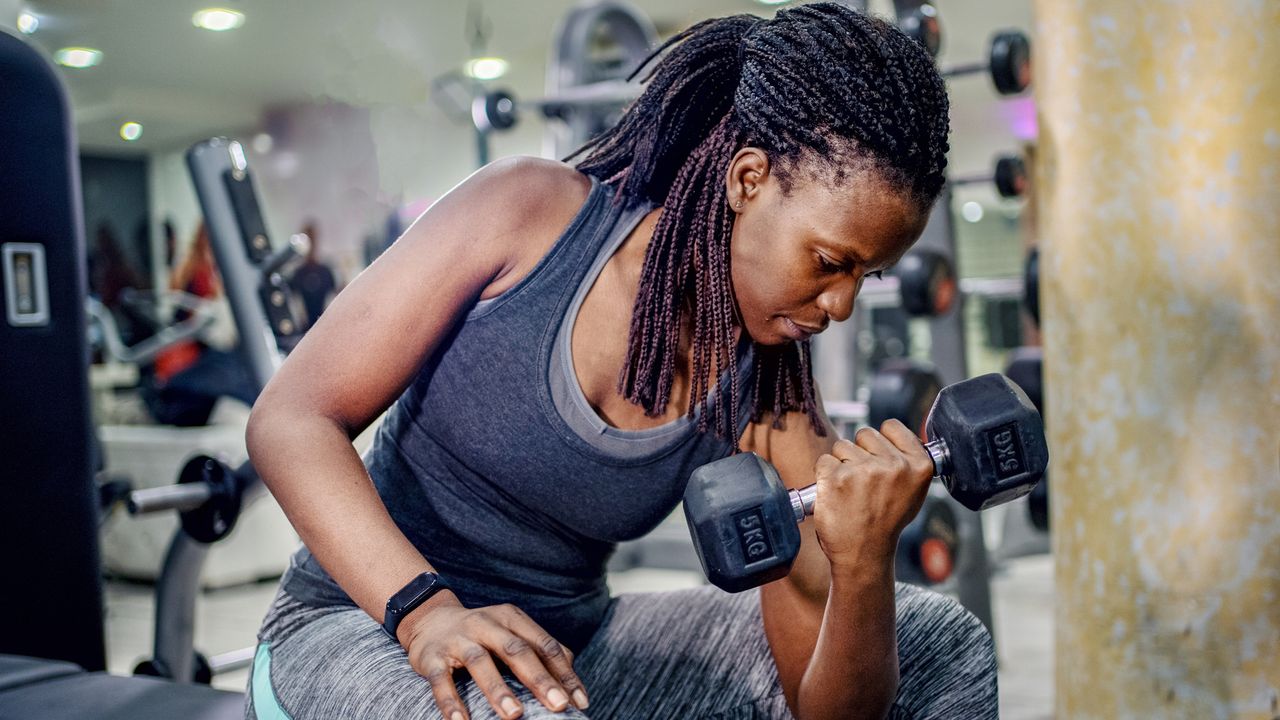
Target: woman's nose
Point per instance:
(837, 300)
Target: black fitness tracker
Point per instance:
(409, 597)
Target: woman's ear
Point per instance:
(747, 171)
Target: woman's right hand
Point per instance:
(447, 637)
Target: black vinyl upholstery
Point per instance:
(35, 689)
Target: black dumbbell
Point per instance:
(1026, 369)
(924, 282)
(1031, 285)
(905, 390)
(500, 110)
(988, 447)
(921, 24)
(208, 497)
(1009, 176)
(1008, 62)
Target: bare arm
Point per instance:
(476, 242)
(830, 622)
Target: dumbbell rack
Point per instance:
(947, 352)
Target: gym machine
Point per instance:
(209, 496)
(595, 48)
(50, 493)
(51, 630)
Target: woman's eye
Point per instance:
(875, 274)
(827, 265)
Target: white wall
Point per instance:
(347, 167)
(8, 14)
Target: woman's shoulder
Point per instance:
(536, 200)
(536, 191)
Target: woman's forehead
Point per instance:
(864, 215)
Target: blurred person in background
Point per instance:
(313, 281)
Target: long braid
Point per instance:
(820, 87)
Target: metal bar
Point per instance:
(231, 661)
(176, 592)
(188, 496)
(993, 287)
(965, 69)
(607, 92)
(846, 411)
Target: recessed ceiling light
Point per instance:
(78, 57)
(218, 19)
(487, 68)
(131, 131)
(28, 23)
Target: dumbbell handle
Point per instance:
(802, 500)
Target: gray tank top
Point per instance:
(499, 471)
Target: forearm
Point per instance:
(853, 672)
(316, 475)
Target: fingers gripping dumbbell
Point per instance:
(987, 444)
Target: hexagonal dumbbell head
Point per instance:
(742, 522)
(994, 439)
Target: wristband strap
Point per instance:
(407, 599)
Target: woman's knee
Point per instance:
(947, 659)
(343, 665)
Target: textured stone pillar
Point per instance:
(1159, 183)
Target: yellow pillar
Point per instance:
(1159, 183)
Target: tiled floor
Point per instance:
(227, 619)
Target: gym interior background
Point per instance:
(1150, 139)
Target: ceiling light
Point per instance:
(78, 57)
(131, 131)
(972, 211)
(28, 23)
(218, 19)
(487, 68)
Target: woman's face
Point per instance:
(798, 260)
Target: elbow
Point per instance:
(256, 432)
(262, 432)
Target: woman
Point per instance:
(563, 347)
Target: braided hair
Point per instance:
(822, 89)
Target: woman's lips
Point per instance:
(796, 332)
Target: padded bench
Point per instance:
(36, 689)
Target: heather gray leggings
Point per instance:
(698, 653)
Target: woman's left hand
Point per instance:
(869, 488)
